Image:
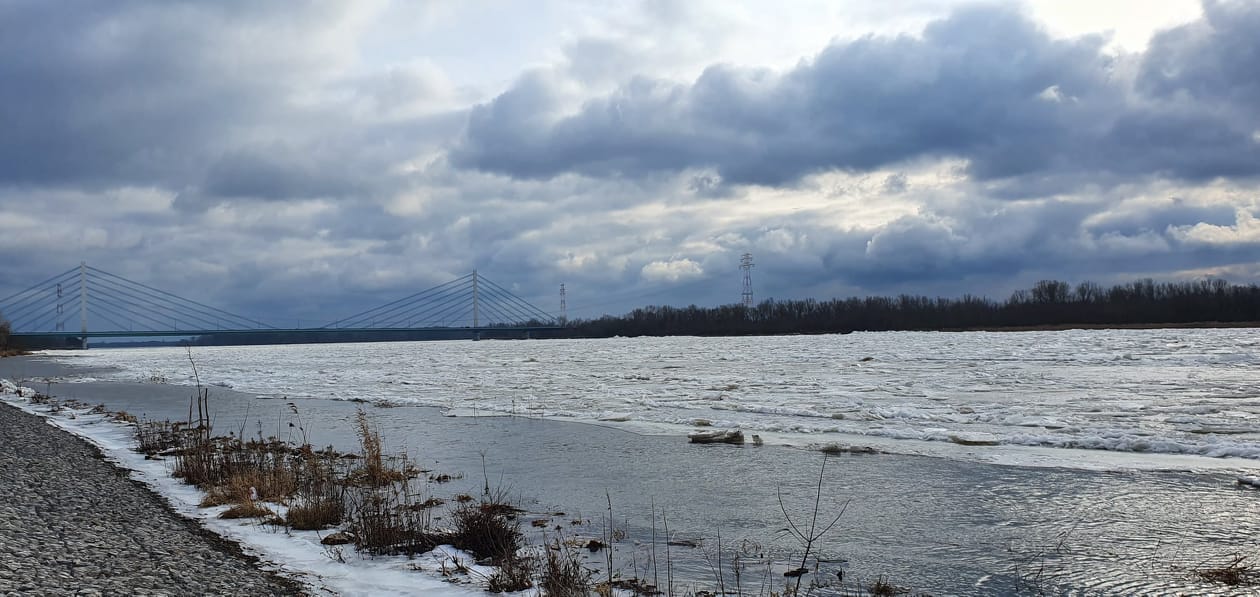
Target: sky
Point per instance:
(306, 160)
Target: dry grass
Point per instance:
(315, 516)
(513, 574)
(272, 479)
(319, 498)
(232, 471)
(380, 529)
(157, 437)
(563, 574)
(382, 516)
(216, 496)
(486, 530)
(374, 471)
(249, 509)
(883, 588)
(208, 462)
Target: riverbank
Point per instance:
(73, 524)
(1059, 327)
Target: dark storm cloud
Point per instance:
(1159, 217)
(100, 93)
(255, 154)
(274, 173)
(209, 99)
(1213, 60)
(993, 241)
(986, 84)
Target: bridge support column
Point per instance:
(476, 303)
(83, 302)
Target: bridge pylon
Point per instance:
(110, 305)
(469, 301)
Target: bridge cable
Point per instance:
(19, 307)
(506, 312)
(180, 298)
(430, 311)
(383, 310)
(131, 314)
(411, 310)
(32, 311)
(519, 301)
(39, 285)
(174, 311)
(139, 293)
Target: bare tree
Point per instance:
(5, 331)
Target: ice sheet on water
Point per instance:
(1138, 391)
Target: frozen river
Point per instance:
(1133, 394)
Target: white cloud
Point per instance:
(672, 271)
(1246, 229)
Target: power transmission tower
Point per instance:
(564, 308)
(746, 264)
(61, 320)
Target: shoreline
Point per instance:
(1062, 327)
(297, 559)
(113, 533)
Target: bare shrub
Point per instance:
(376, 525)
(382, 515)
(513, 574)
(382, 523)
(563, 574)
(156, 437)
(319, 499)
(486, 530)
(7, 349)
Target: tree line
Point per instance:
(7, 349)
(1049, 303)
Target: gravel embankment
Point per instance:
(73, 524)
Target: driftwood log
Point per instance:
(717, 437)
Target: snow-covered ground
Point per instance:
(1137, 392)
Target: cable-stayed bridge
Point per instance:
(86, 302)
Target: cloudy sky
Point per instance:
(307, 159)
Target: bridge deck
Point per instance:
(274, 331)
